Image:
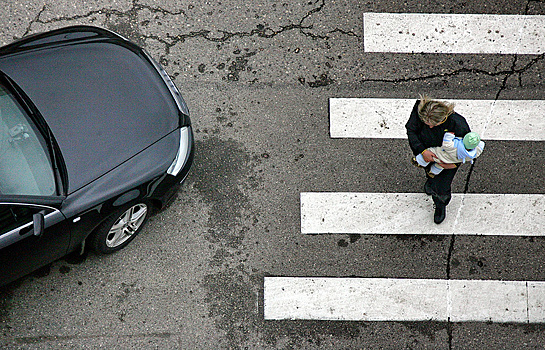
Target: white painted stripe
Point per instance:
(383, 299)
(354, 299)
(454, 33)
(536, 302)
(412, 213)
(386, 118)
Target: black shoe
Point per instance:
(427, 188)
(440, 214)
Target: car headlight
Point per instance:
(183, 152)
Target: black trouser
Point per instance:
(440, 186)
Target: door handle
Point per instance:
(39, 224)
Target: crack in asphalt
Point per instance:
(261, 31)
(449, 256)
(34, 20)
(506, 73)
(507, 76)
(130, 12)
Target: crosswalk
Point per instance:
(385, 299)
(411, 214)
(447, 300)
(386, 118)
(453, 33)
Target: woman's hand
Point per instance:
(429, 156)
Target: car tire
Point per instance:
(120, 228)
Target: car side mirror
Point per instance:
(39, 224)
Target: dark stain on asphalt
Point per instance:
(293, 334)
(319, 81)
(126, 290)
(527, 328)
(6, 295)
(219, 171)
(353, 238)
(299, 157)
(428, 328)
(222, 172)
(42, 271)
(239, 65)
(422, 240)
(477, 265)
(220, 257)
(232, 298)
(342, 243)
(454, 263)
(7, 291)
(76, 257)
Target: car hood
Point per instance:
(102, 99)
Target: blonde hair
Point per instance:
(434, 112)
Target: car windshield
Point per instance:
(25, 167)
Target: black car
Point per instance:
(94, 136)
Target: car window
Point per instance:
(14, 216)
(25, 167)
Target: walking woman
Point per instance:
(426, 127)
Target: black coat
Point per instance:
(421, 136)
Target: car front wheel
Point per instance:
(120, 228)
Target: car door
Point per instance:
(22, 250)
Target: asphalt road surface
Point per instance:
(258, 76)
